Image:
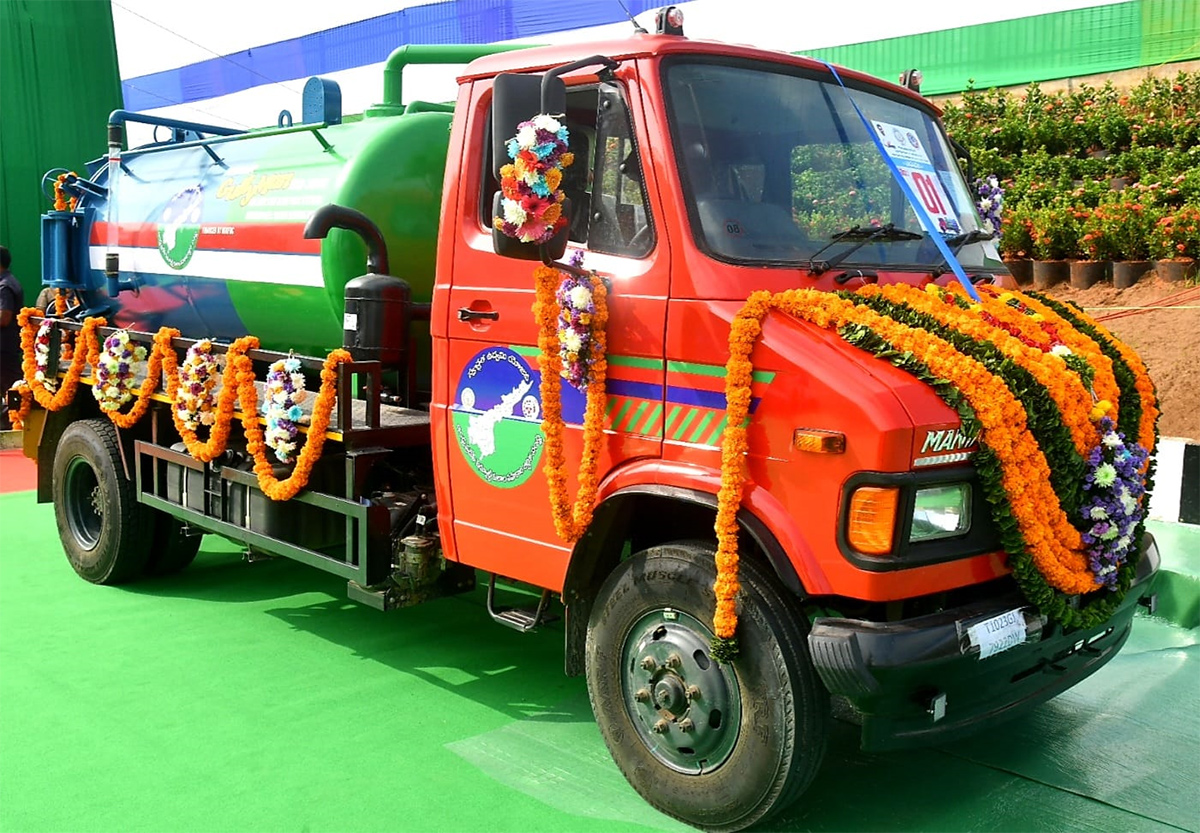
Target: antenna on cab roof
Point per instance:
(637, 27)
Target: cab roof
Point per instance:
(540, 58)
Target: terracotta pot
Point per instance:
(1021, 270)
(1084, 273)
(1174, 271)
(1046, 273)
(1128, 272)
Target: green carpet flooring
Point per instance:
(254, 697)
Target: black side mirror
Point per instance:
(515, 99)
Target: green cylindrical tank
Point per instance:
(212, 232)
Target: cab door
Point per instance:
(498, 496)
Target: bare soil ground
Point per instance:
(1166, 337)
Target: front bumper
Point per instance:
(920, 681)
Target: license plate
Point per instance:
(998, 633)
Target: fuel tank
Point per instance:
(211, 232)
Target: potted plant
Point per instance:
(1129, 223)
(1016, 243)
(1097, 246)
(1175, 244)
(1055, 241)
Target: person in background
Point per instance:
(12, 298)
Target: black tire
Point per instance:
(759, 725)
(171, 551)
(104, 530)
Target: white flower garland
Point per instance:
(114, 375)
(285, 392)
(41, 357)
(198, 375)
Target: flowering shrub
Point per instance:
(1055, 233)
(1118, 229)
(1016, 233)
(1177, 235)
(1072, 152)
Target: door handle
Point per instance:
(468, 314)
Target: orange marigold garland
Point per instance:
(1148, 420)
(218, 432)
(61, 201)
(1047, 536)
(1066, 389)
(17, 418)
(1105, 382)
(237, 385)
(272, 486)
(571, 519)
(54, 400)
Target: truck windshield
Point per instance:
(777, 164)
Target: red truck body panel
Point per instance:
(667, 345)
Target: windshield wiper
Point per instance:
(956, 243)
(861, 236)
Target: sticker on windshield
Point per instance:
(904, 147)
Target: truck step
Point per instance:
(523, 619)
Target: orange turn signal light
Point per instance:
(872, 519)
(818, 441)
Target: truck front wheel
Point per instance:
(104, 530)
(716, 745)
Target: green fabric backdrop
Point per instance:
(58, 83)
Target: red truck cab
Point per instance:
(705, 172)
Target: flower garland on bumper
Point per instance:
(1054, 555)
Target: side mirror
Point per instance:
(518, 98)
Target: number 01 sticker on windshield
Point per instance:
(997, 634)
(904, 147)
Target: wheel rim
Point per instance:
(685, 706)
(84, 503)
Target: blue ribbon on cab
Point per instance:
(922, 215)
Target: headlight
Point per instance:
(941, 512)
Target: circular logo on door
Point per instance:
(497, 417)
(179, 227)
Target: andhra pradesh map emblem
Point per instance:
(179, 226)
(497, 417)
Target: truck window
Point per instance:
(619, 222)
(776, 161)
(612, 218)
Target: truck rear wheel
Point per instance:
(172, 547)
(104, 530)
(719, 746)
